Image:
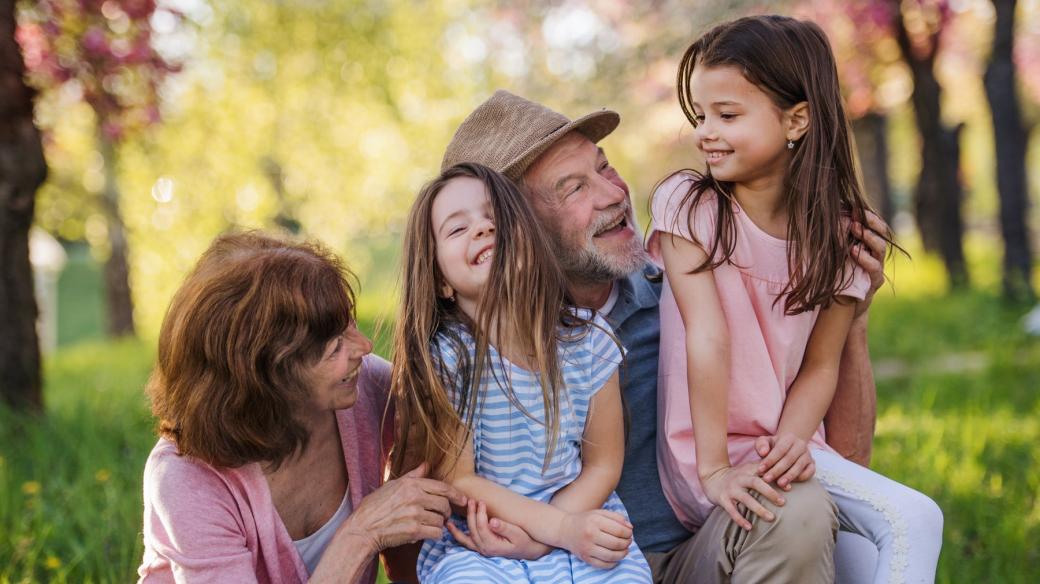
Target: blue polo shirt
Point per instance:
(636, 321)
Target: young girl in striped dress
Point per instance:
(507, 393)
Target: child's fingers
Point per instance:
(767, 491)
(471, 521)
(463, 539)
(780, 448)
(755, 507)
(795, 471)
(482, 523)
(598, 563)
(735, 515)
(808, 473)
(610, 541)
(615, 516)
(781, 466)
(614, 527)
(610, 556)
(763, 444)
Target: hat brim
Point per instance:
(594, 126)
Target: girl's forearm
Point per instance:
(589, 491)
(807, 401)
(707, 365)
(540, 520)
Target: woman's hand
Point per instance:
(404, 510)
(785, 459)
(496, 538)
(729, 485)
(599, 537)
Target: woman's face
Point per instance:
(334, 379)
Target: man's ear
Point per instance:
(797, 120)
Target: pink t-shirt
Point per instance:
(766, 345)
(209, 524)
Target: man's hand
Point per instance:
(785, 459)
(870, 253)
(730, 485)
(496, 538)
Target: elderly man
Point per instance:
(586, 208)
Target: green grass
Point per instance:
(70, 481)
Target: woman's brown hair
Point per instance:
(525, 294)
(237, 340)
(790, 61)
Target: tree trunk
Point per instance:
(872, 146)
(22, 170)
(938, 195)
(117, 270)
(1011, 140)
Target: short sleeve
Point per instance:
(446, 354)
(604, 353)
(859, 285)
(670, 213)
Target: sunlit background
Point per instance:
(168, 123)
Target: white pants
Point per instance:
(904, 525)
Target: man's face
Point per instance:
(585, 206)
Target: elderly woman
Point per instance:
(271, 452)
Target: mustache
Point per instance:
(608, 218)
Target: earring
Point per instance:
(790, 144)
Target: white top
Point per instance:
(611, 300)
(312, 547)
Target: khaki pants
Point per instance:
(797, 547)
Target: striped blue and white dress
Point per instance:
(509, 448)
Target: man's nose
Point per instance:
(608, 193)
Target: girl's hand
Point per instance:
(729, 485)
(496, 538)
(403, 511)
(599, 537)
(786, 459)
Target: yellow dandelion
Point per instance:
(31, 488)
(52, 563)
(103, 475)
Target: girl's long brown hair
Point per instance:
(525, 294)
(792, 62)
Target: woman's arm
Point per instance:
(602, 453)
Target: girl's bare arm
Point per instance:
(708, 369)
(813, 389)
(602, 452)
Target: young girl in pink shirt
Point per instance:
(756, 254)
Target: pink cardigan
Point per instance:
(208, 524)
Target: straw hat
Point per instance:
(507, 133)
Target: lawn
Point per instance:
(958, 419)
